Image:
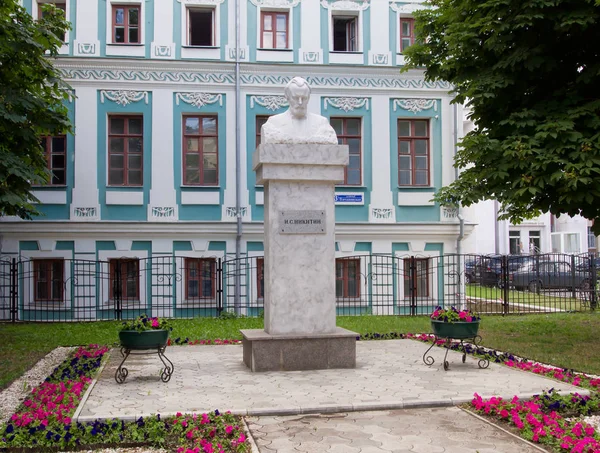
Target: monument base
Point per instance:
(266, 352)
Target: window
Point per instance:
(125, 151)
(413, 152)
(534, 242)
(345, 34)
(260, 120)
(201, 27)
(48, 276)
(416, 279)
(60, 5)
(348, 131)
(591, 239)
(125, 278)
(347, 278)
(200, 278)
(572, 243)
(514, 242)
(55, 149)
(126, 24)
(260, 278)
(407, 33)
(274, 30)
(200, 156)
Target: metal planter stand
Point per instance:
(455, 331)
(144, 343)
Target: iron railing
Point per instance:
(378, 284)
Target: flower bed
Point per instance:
(538, 422)
(44, 422)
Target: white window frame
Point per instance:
(29, 290)
(255, 301)
(196, 52)
(105, 256)
(275, 55)
(351, 57)
(64, 49)
(400, 57)
(181, 301)
(127, 50)
(420, 199)
(363, 299)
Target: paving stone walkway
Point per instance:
(389, 375)
(443, 430)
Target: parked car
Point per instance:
(550, 275)
(489, 271)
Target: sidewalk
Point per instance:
(389, 375)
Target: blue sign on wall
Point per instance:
(349, 198)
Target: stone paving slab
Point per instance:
(436, 430)
(389, 375)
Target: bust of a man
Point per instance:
(296, 125)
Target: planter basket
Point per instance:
(458, 330)
(147, 339)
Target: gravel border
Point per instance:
(11, 397)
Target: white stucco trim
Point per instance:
(51, 196)
(200, 197)
(415, 198)
(105, 256)
(124, 198)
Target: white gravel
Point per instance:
(11, 397)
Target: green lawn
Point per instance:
(564, 302)
(567, 340)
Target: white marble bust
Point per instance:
(296, 125)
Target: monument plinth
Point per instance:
(299, 306)
(299, 162)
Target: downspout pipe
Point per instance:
(238, 172)
(461, 220)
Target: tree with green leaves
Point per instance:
(529, 72)
(32, 98)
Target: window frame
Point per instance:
(125, 136)
(412, 139)
(188, 10)
(406, 278)
(351, 19)
(200, 279)
(345, 279)
(62, 4)
(411, 36)
(48, 261)
(126, 26)
(274, 30)
(184, 150)
(48, 153)
(112, 262)
(343, 140)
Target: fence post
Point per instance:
(219, 286)
(573, 287)
(117, 290)
(13, 290)
(413, 283)
(593, 287)
(505, 284)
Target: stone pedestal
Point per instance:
(299, 305)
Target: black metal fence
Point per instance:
(187, 287)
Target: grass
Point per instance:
(568, 340)
(566, 302)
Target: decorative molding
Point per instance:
(272, 103)
(163, 212)
(348, 5)
(123, 97)
(86, 48)
(382, 213)
(415, 105)
(407, 8)
(380, 58)
(212, 78)
(275, 3)
(311, 57)
(199, 100)
(233, 53)
(162, 51)
(449, 213)
(201, 2)
(85, 212)
(347, 104)
(231, 211)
